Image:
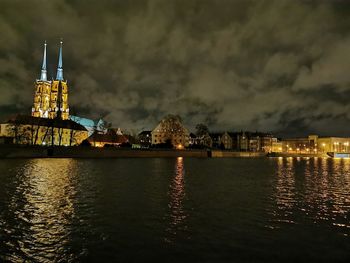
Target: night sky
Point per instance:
(280, 66)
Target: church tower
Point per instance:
(59, 92)
(41, 106)
(51, 97)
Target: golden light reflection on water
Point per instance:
(285, 190)
(315, 190)
(177, 194)
(43, 207)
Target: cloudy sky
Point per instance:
(281, 66)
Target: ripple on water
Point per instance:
(67, 210)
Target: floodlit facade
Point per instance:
(171, 129)
(333, 144)
(42, 131)
(316, 144)
(276, 146)
(51, 96)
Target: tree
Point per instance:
(201, 130)
(172, 125)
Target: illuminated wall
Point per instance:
(43, 135)
(41, 106)
(51, 99)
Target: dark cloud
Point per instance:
(277, 66)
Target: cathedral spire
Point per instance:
(59, 75)
(43, 75)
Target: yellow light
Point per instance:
(179, 146)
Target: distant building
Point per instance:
(243, 142)
(265, 142)
(221, 140)
(316, 144)
(215, 138)
(90, 125)
(296, 145)
(51, 97)
(192, 139)
(276, 145)
(145, 139)
(203, 141)
(226, 141)
(43, 131)
(171, 130)
(254, 143)
(101, 139)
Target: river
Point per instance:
(175, 210)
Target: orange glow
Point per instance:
(179, 146)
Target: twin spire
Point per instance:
(59, 75)
(43, 68)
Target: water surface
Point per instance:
(175, 210)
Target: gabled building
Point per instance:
(226, 141)
(215, 137)
(221, 140)
(101, 139)
(171, 130)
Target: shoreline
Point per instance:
(8, 151)
(25, 151)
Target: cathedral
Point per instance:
(51, 96)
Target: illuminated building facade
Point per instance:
(29, 130)
(51, 96)
(316, 144)
(171, 129)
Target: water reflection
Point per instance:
(313, 190)
(285, 190)
(177, 194)
(42, 208)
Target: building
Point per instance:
(242, 142)
(145, 139)
(265, 142)
(221, 140)
(215, 138)
(110, 137)
(171, 130)
(254, 143)
(251, 141)
(51, 96)
(23, 129)
(316, 144)
(226, 141)
(202, 141)
(333, 144)
(49, 123)
(276, 145)
(91, 125)
(296, 145)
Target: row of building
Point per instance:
(50, 123)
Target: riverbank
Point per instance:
(20, 151)
(315, 155)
